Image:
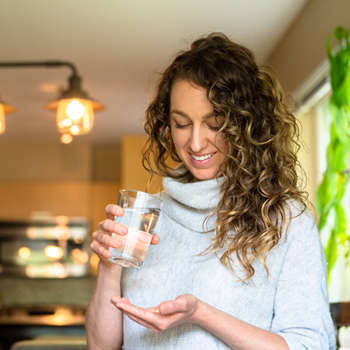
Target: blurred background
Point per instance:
(53, 194)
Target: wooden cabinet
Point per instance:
(60, 181)
(133, 175)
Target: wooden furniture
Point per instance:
(341, 316)
(51, 343)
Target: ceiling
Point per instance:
(119, 47)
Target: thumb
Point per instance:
(168, 307)
(155, 239)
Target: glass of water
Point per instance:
(141, 214)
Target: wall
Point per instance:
(45, 162)
(308, 155)
(303, 48)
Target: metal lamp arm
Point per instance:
(51, 64)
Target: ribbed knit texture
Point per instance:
(293, 302)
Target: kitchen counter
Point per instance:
(17, 291)
(33, 308)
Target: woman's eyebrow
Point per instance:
(176, 111)
(183, 114)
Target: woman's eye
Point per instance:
(215, 128)
(180, 126)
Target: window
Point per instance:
(315, 119)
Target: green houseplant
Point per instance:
(332, 188)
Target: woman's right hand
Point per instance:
(107, 234)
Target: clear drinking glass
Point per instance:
(141, 214)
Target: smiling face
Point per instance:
(194, 126)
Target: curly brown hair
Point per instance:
(261, 169)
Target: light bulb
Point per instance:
(75, 116)
(24, 252)
(2, 119)
(75, 110)
(54, 252)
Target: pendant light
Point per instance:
(4, 108)
(75, 109)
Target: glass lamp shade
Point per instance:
(75, 116)
(2, 119)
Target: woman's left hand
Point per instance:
(186, 308)
(166, 315)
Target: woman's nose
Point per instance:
(198, 140)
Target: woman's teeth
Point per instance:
(203, 157)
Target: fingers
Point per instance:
(145, 317)
(113, 210)
(185, 304)
(115, 299)
(119, 302)
(107, 233)
(111, 226)
(144, 323)
(168, 314)
(153, 309)
(107, 236)
(169, 307)
(100, 250)
(155, 239)
(105, 239)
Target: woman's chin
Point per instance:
(203, 175)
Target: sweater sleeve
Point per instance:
(301, 310)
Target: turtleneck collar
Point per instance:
(190, 203)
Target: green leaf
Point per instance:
(341, 33)
(337, 76)
(340, 155)
(341, 186)
(329, 50)
(323, 218)
(333, 139)
(340, 223)
(326, 191)
(332, 188)
(338, 71)
(339, 139)
(340, 219)
(331, 252)
(344, 91)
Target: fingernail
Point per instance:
(123, 230)
(114, 300)
(164, 310)
(120, 212)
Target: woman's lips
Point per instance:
(202, 159)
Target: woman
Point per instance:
(239, 264)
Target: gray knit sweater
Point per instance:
(293, 302)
